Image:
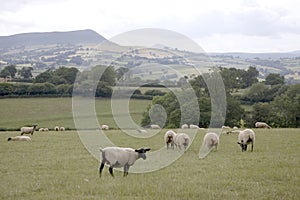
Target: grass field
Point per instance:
(50, 112)
(55, 165)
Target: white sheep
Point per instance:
(246, 137)
(56, 128)
(211, 140)
(28, 130)
(262, 125)
(193, 126)
(41, 129)
(182, 140)
(46, 129)
(19, 138)
(104, 127)
(62, 128)
(184, 126)
(155, 126)
(169, 138)
(117, 157)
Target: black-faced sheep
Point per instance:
(169, 138)
(262, 125)
(62, 128)
(211, 140)
(246, 137)
(56, 128)
(28, 130)
(117, 157)
(182, 140)
(19, 138)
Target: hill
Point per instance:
(47, 38)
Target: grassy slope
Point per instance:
(55, 165)
(50, 112)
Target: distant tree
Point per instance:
(5, 73)
(250, 77)
(69, 74)
(25, 72)
(120, 72)
(6, 89)
(44, 76)
(274, 79)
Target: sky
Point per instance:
(215, 25)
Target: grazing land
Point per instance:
(50, 112)
(55, 165)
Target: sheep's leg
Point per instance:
(111, 171)
(251, 147)
(101, 168)
(126, 168)
(245, 147)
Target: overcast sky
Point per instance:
(216, 25)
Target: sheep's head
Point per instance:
(142, 152)
(170, 139)
(243, 146)
(9, 139)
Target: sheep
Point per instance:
(19, 138)
(120, 157)
(62, 128)
(182, 140)
(28, 130)
(56, 128)
(211, 140)
(155, 126)
(41, 129)
(246, 137)
(46, 129)
(262, 125)
(104, 127)
(169, 138)
(184, 126)
(192, 126)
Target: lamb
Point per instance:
(104, 127)
(28, 130)
(182, 140)
(120, 157)
(56, 128)
(19, 138)
(62, 128)
(246, 137)
(192, 126)
(184, 126)
(262, 125)
(211, 140)
(169, 138)
(155, 126)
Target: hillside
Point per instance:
(47, 38)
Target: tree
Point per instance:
(25, 72)
(44, 76)
(274, 79)
(10, 70)
(5, 73)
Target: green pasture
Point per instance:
(56, 165)
(51, 112)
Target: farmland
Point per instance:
(55, 165)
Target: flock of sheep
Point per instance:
(117, 157)
(30, 130)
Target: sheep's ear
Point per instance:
(147, 149)
(238, 142)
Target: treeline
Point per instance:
(270, 101)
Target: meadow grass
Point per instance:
(50, 112)
(56, 165)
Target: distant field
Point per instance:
(55, 165)
(50, 112)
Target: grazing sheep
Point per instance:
(41, 129)
(155, 126)
(19, 138)
(104, 127)
(46, 129)
(211, 140)
(182, 140)
(262, 125)
(192, 126)
(143, 131)
(184, 126)
(246, 137)
(56, 128)
(62, 129)
(169, 138)
(120, 157)
(28, 130)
